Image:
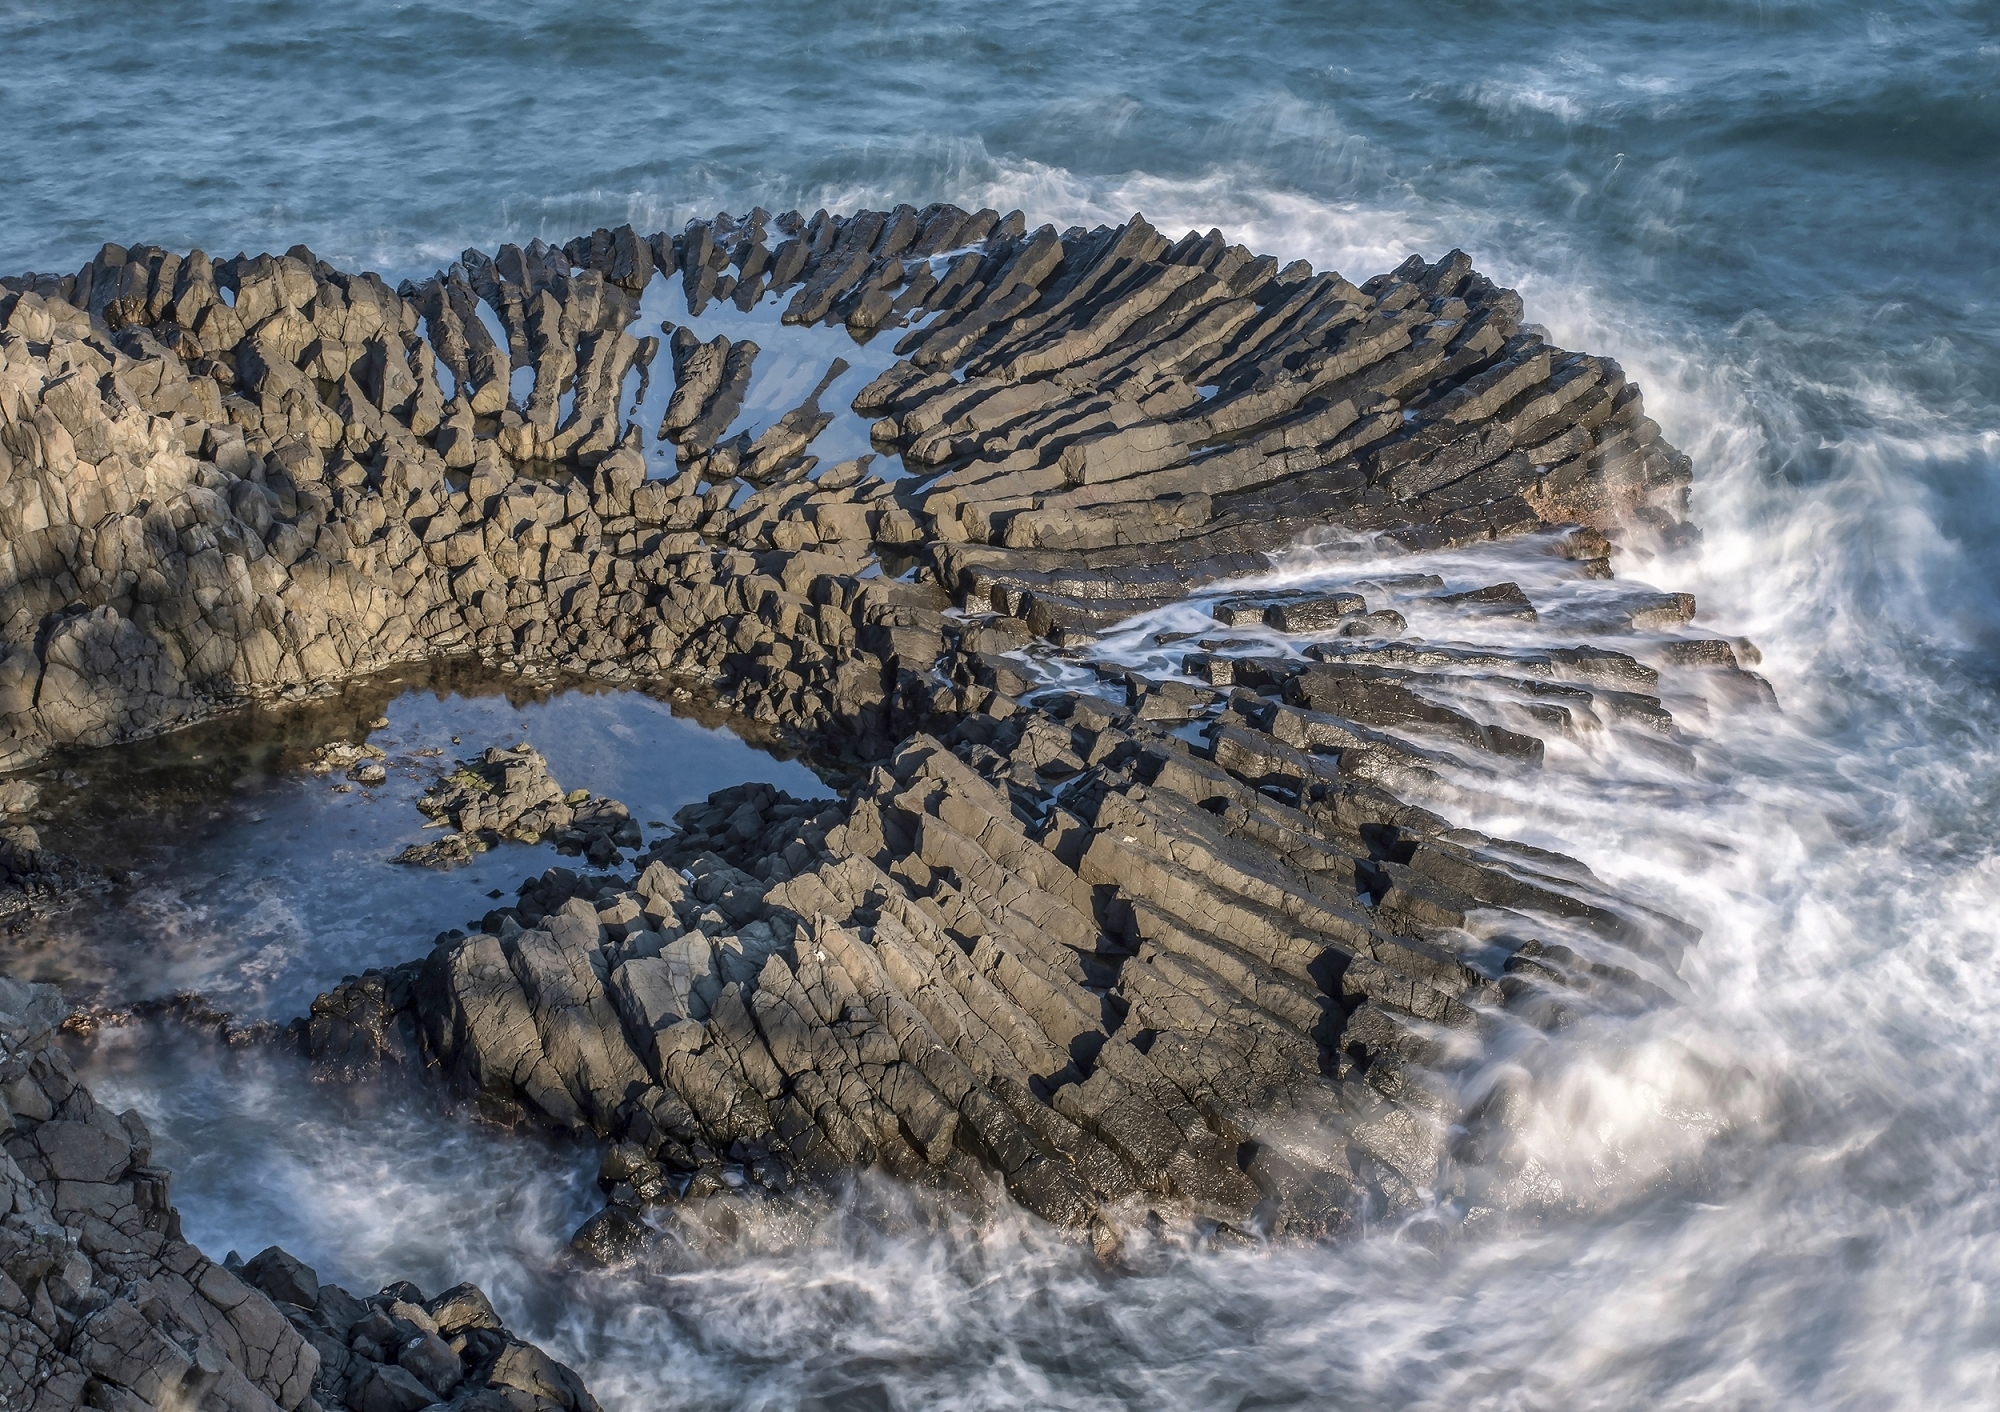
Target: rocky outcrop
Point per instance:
(104, 1305)
(1202, 941)
(509, 794)
(227, 480)
(397, 1351)
(1234, 980)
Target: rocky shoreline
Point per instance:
(104, 1305)
(1200, 944)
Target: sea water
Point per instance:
(1781, 216)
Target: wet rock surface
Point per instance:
(509, 794)
(34, 880)
(1229, 981)
(397, 1349)
(1195, 938)
(103, 1304)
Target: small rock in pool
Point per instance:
(341, 754)
(447, 852)
(368, 772)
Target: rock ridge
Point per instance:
(228, 480)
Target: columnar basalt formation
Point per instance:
(225, 480)
(1055, 934)
(1239, 981)
(103, 1304)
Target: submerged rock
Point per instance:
(35, 880)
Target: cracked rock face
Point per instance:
(103, 1304)
(1237, 973)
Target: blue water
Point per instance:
(258, 884)
(1783, 217)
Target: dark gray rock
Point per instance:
(284, 1278)
(1320, 614)
(426, 1357)
(388, 1388)
(613, 1239)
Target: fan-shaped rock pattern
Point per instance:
(1050, 934)
(229, 479)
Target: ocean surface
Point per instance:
(1782, 217)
